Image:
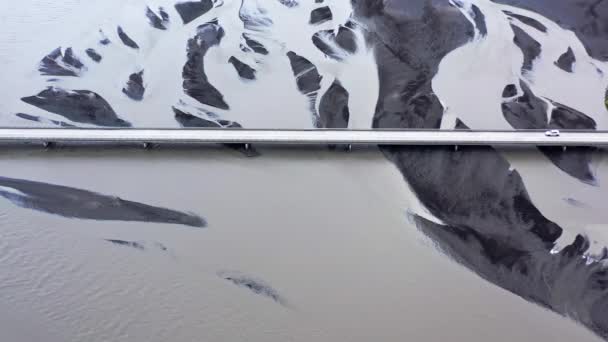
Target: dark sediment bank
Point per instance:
(137, 245)
(566, 60)
(126, 39)
(244, 70)
(344, 40)
(77, 105)
(528, 21)
(94, 55)
(196, 83)
(308, 79)
(158, 22)
(188, 120)
(254, 45)
(34, 118)
(134, 88)
(490, 223)
(587, 18)
(530, 47)
(529, 112)
(82, 204)
(480, 20)
(57, 63)
(131, 244)
(333, 108)
(320, 15)
(252, 284)
(190, 10)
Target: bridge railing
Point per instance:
(303, 137)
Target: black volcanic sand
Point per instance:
(191, 10)
(566, 60)
(289, 3)
(156, 21)
(528, 21)
(196, 83)
(252, 284)
(308, 78)
(136, 245)
(244, 70)
(35, 118)
(576, 161)
(77, 105)
(509, 91)
(49, 65)
(191, 121)
(188, 120)
(345, 39)
(529, 112)
(163, 14)
(134, 88)
(320, 15)
(124, 37)
(587, 18)
(333, 108)
(561, 282)
(82, 204)
(94, 55)
(480, 20)
(491, 225)
(530, 47)
(254, 45)
(124, 243)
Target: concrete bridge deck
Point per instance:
(302, 137)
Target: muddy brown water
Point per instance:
(328, 230)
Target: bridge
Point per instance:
(83, 136)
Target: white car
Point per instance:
(552, 133)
